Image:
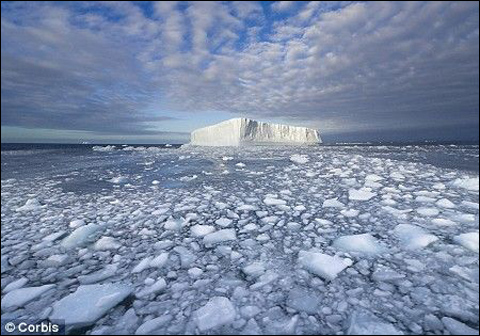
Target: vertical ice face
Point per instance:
(243, 131)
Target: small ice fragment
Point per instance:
(220, 236)
(323, 265)
(21, 296)
(468, 240)
(362, 243)
(413, 237)
(299, 159)
(107, 243)
(201, 230)
(217, 312)
(363, 194)
(333, 203)
(80, 236)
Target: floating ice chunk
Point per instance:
(265, 279)
(299, 159)
(471, 184)
(323, 265)
(17, 284)
(362, 243)
(107, 243)
(160, 261)
(119, 180)
(217, 312)
(157, 287)
(21, 296)
(174, 224)
(384, 274)
(188, 178)
(31, 205)
(471, 205)
(443, 222)
(56, 260)
(88, 304)
(445, 203)
(201, 230)
(425, 199)
(195, 272)
(142, 265)
(363, 322)
(220, 236)
(187, 257)
(227, 158)
(458, 328)
(274, 201)
(468, 240)
(350, 213)
(54, 236)
(80, 236)
(363, 194)
(303, 300)
(76, 223)
(373, 177)
(223, 222)
(246, 207)
(254, 270)
(240, 165)
(333, 203)
(109, 148)
(300, 208)
(428, 212)
(413, 237)
(107, 272)
(152, 326)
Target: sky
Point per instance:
(151, 72)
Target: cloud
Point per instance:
(282, 6)
(340, 66)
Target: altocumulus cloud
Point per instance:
(121, 67)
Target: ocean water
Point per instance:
(266, 240)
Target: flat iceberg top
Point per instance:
(243, 131)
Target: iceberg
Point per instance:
(243, 131)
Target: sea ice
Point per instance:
(15, 285)
(201, 230)
(363, 243)
(323, 265)
(457, 328)
(471, 184)
(30, 205)
(217, 312)
(468, 240)
(107, 243)
(151, 326)
(363, 322)
(80, 236)
(333, 203)
(274, 201)
(363, 194)
(107, 272)
(413, 237)
(89, 303)
(21, 296)
(428, 212)
(299, 159)
(219, 236)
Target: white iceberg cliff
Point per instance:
(243, 131)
